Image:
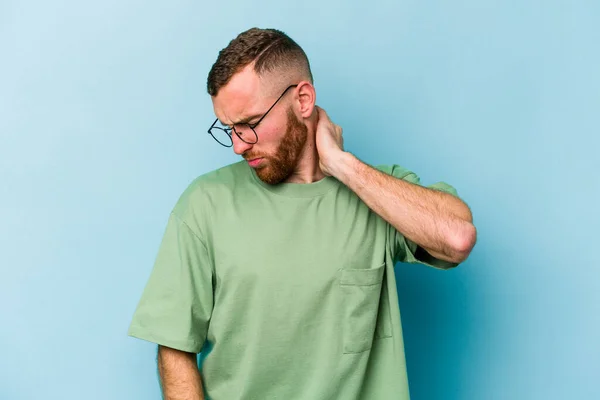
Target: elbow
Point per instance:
(463, 242)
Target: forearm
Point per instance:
(179, 375)
(437, 221)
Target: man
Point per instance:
(280, 268)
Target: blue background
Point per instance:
(103, 124)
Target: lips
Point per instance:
(254, 162)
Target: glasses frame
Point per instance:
(251, 126)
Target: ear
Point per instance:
(306, 98)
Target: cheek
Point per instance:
(269, 138)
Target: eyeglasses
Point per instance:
(244, 131)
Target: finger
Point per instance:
(323, 114)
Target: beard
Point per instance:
(282, 164)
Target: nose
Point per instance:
(239, 146)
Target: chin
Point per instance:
(267, 175)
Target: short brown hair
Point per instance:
(269, 49)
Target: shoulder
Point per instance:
(209, 189)
(398, 171)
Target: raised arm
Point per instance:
(438, 222)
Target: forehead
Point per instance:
(242, 97)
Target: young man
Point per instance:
(280, 268)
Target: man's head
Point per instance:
(253, 73)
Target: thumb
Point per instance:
(322, 114)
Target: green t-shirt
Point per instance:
(288, 290)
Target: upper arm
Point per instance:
(403, 249)
(176, 304)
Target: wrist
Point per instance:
(343, 165)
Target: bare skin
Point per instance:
(179, 375)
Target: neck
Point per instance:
(308, 170)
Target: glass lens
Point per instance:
(221, 136)
(246, 133)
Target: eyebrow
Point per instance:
(244, 120)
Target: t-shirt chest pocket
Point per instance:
(361, 291)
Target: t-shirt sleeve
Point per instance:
(402, 248)
(176, 304)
